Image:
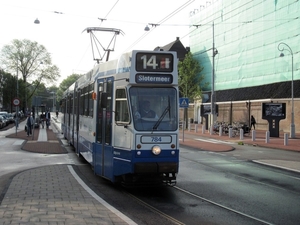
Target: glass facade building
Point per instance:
(247, 35)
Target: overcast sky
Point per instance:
(62, 24)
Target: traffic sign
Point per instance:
(183, 102)
(16, 102)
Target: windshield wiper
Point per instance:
(162, 115)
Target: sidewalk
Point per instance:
(56, 195)
(260, 140)
(52, 194)
(196, 139)
(42, 141)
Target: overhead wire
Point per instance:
(160, 22)
(101, 19)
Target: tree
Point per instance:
(190, 79)
(32, 61)
(7, 90)
(65, 84)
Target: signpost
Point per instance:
(16, 102)
(183, 103)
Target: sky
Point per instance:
(62, 25)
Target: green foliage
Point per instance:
(8, 90)
(32, 63)
(190, 78)
(65, 84)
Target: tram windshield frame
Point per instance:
(154, 108)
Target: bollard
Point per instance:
(203, 129)
(253, 135)
(230, 132)
(211, 129)
(286, 139)
(189, 126)
(220, 130)
(196, 128)
(241, 134)
(267, 136)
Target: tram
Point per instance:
(106, 119)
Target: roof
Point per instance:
(175, 46)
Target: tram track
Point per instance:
(198, 197)
(223, 206)
(155, 210)
(247, 177)
(159, 204)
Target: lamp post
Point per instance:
(53, 109)
(17, 107)
(281, 48)
(214, 53)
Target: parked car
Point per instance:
(6, 119)
(4, 114)
(11, 117)
(2, 122)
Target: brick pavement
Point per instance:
(52, 146)
(193, 135)
(53, 194)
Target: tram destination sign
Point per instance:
(154, 78)
(154, 62)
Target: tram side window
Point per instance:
(122, 113)
(71, 104)
(86, 101)
(91, 103)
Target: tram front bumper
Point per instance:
(158, 167)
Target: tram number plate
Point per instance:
(156, 139)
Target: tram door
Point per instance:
(76, 125)
(103, 151)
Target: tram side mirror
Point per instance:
(103, 100)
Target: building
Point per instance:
(240, 42)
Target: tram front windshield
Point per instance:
(154, 109)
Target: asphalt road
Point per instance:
(212, 188)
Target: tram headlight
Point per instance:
(156, 150)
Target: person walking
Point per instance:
(48, 118)
(29, 124)
(253, 122)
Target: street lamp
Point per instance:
(214, 53)
(53, 109)
(281, 48)
(147, 28)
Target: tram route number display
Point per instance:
(149, 62)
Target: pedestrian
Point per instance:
(29, 124)
(253, 122)
(48, 118)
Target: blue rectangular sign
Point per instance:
(183, 102)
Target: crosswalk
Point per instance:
(42, 137)
(17, 142)
(215, 141)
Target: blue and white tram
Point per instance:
(105, 121)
